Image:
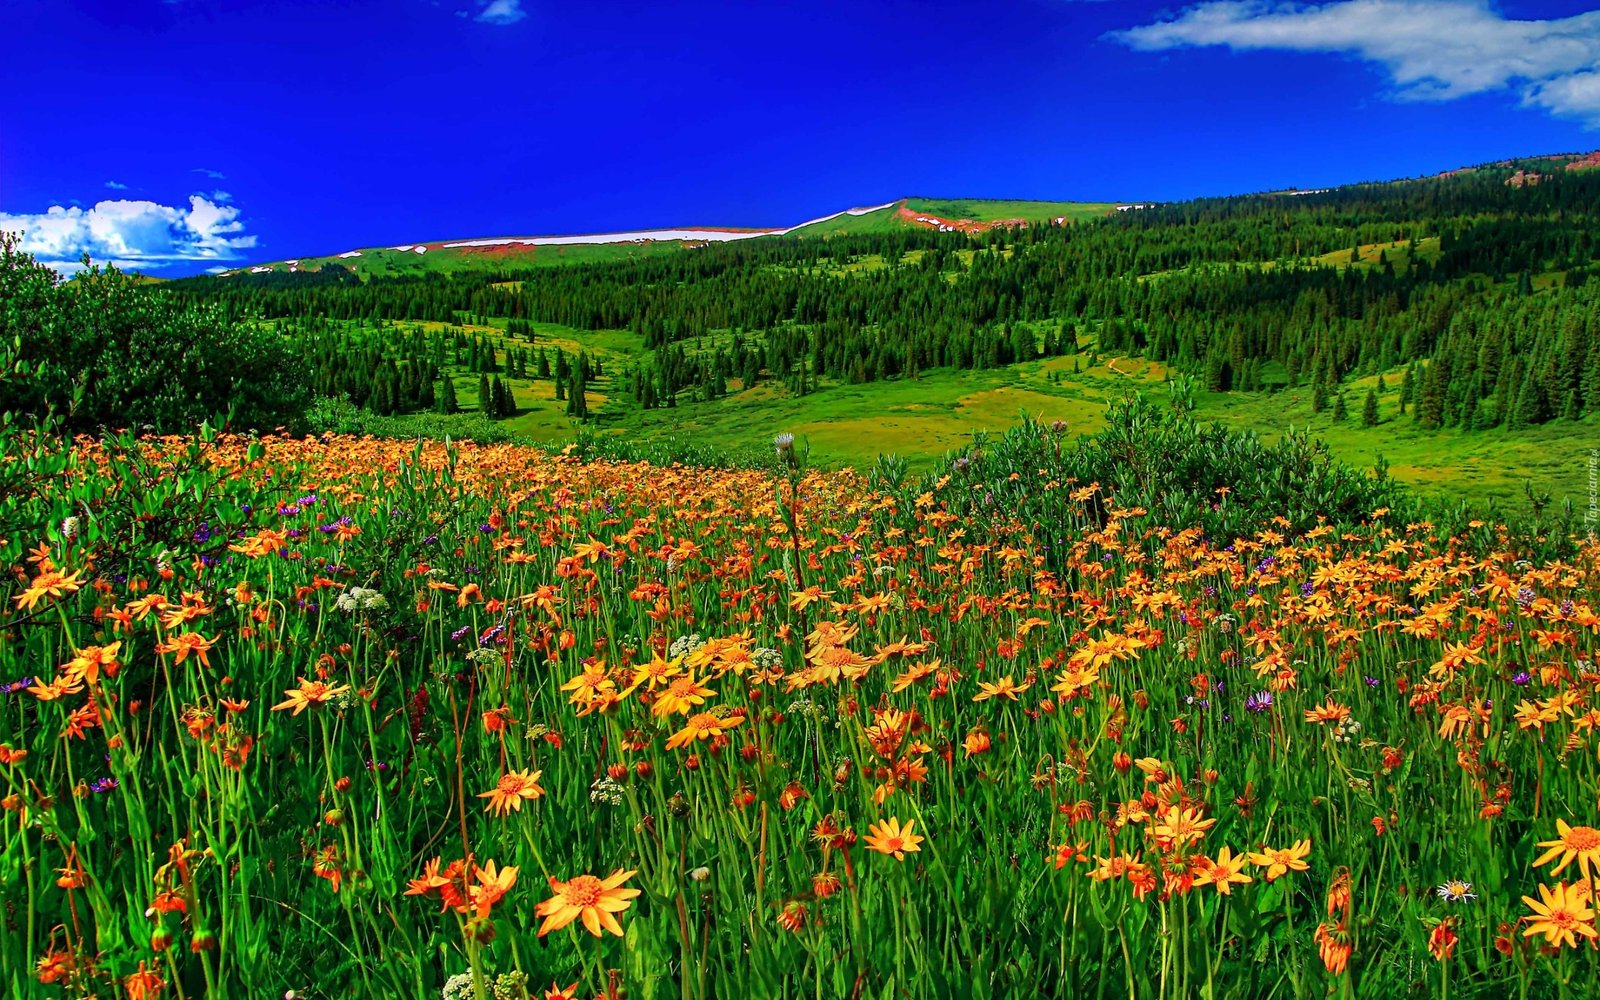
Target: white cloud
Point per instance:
(215, 175)
(1432, 49)
(113, 185)
(140, 234)
(502, 12)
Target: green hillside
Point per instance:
(982, 210)
(403, 260)
(1444, 326)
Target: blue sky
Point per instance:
(176, 135)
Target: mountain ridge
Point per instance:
(908, 212)
(972, 215)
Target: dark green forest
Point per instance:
(1478, 288)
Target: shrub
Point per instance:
(106, 351)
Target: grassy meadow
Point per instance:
(921, 420)
(332, 718)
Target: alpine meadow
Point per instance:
(1189, 596)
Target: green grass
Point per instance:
(992, 210)
(922, 419)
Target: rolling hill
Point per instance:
(1443, 326)
(499, 252)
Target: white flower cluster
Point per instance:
(484, 656)
(805, 708)
(1347, 730)
(766, 657)
(605, 790)
(683, 645)
(457, 987)
(361, 599)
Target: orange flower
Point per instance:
(493, 884)
(263, 543)
(793, 916)
(1572, 842)
(308, 695)
(682, 693)
(1333, 946)
(47, 584)
(1179, 827)
(513, 788)
(143, 984)
(825, 884)
(657, 672)
(1005, 687)
(1560, 914)
(1329, 711)
(1288, 859)
(1442, 941)
(889, 837)
(596, 901)
(1226, 870)
(189, 642)
(1339, 892)
(86, 666)
(702, 726)
(326, 865)
(55, 966)
(72, 876)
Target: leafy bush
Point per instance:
(1226, 482)
(340, 416)
(107, 351)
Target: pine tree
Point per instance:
(1529, 407)
(1341, 412)
(1369, 409)
(577, 399)
(485, 400)
(1430, 408)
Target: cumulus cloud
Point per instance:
(1432, 49)
(115, 186)
(142, 234)
(502, 12)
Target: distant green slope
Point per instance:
(986, 210)
(877, 221)
(403, 260)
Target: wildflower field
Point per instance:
(354, 718)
